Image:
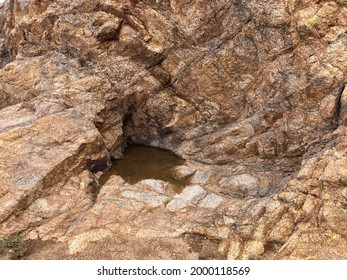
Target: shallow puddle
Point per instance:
(142, 162)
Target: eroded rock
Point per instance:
(250, 93)
(242, 184)
(211, 201)
(190, 195)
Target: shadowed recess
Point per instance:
(142, 162)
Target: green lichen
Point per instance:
(13, 245)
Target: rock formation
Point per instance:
(250, 93)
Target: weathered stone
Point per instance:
(109, 30)
(235, 249)
(243, 184)
(182, 172)
(151, 198)
(63, 144)
(155, 185)
(176, 204)
(80, 242)
(253, 250)
(343, 110)
(211, 201)
(191, 195)
(200, 177)
(250, 93)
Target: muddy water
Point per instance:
(141, 162)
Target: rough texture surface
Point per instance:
(251, 93)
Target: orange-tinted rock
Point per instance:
(251, 93)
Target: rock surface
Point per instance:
(190, 196)
(250, 93)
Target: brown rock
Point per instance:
(250, 93)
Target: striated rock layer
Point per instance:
(250, 93)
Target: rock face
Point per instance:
(250, 93)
